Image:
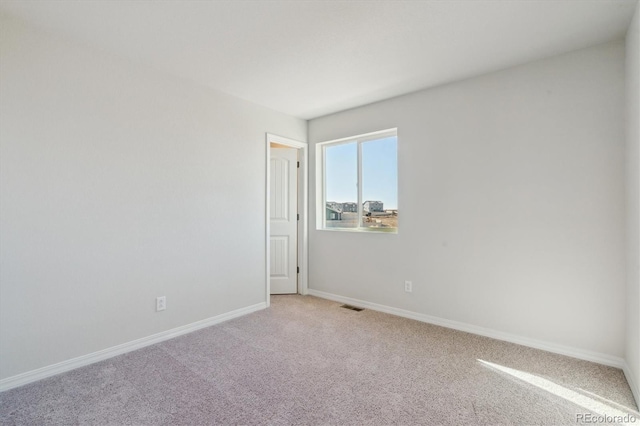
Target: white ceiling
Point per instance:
(312, 58)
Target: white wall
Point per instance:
(120, 184)
(633, 203)
(512, 204)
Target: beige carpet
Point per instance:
(306, 361)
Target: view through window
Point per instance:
(360, 182)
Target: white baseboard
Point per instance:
(596, 357)
(633, 384)
(71, 364)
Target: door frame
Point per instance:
(303, 210)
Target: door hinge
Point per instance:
(298, 269)
(298, 164)
(298, 216)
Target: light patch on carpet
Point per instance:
(590, 403)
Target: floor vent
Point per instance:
(353, 308)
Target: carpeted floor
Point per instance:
(306, 361)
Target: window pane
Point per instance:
(341, 174)
(380, 183)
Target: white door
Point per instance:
(284, 220)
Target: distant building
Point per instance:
(335, 206)
(373, 206)
(333, 214)
(350, 207)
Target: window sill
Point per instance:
(370, 230)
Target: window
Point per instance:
(358, 183)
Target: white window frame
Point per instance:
(321, 178)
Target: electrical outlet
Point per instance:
(408, 286)
(161, 303)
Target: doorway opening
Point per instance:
(286, 216)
